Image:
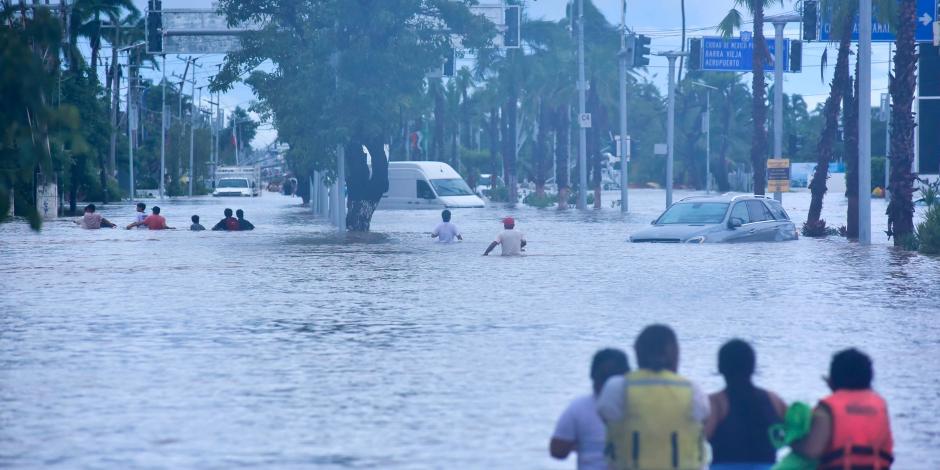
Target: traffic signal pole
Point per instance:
(779, 23)
(671, 118)
(582, 131)
(624, 142)
(864, 122)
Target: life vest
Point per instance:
(231, 224)
(658, 431)
(861, 432)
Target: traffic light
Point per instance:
(695, 54)
(512, 36)
(796, 56)
(810, 20)
(641, 51)
(154, 27)
(450, 62)
(629, 49)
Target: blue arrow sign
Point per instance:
(926, 16)
(736, 54)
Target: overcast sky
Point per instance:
(659, 19)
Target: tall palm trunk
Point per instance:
(851, 158)
(437, 140)
(759, 113)
(562, 126)
(494, 146)
(840, 82)
(540, 153)
(114, 87)
(901, 185)
(509, 144)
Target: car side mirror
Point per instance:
(735, 222)
(653, 222)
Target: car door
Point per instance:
(762, 226)
(739, 234)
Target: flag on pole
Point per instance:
(234, 138)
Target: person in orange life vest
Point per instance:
(850, 427)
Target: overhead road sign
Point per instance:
(736, 54)
(926, 17)
(192, 31)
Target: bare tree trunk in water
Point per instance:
(814, 226)
(851, 158)
(540, 153)
(562, 128)
(759, 104)
(364, 191)
(494, 147)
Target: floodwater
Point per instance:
(291, 347)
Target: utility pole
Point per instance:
(864, 122)
(163, 132)
(707, 128)
(624, 141)
(582, 131)
(886, 117)
(192, 132)
(779, 23)
(671, 118)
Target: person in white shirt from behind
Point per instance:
(446, 231)
(512, 242)
(580, 428)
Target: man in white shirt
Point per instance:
(580, 427)
(510, 241)
(446, 232)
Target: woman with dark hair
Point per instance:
(741, 413)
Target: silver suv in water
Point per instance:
(720, 219)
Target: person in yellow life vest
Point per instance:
(654, 416)
(850, 428)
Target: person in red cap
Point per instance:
(511, 241)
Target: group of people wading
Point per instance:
(654, 419)
(92, 220)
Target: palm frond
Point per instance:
(729, 23)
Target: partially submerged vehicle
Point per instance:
(720, 219)
(426, 185)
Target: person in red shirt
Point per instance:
(154, 221)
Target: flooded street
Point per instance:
(292, 347)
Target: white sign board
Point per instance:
(660, 149)
(584, 120)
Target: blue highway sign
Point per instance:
(926, 16)
(736, 54)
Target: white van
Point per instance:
(426, 185)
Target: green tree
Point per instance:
(37, 135)
(340, 70)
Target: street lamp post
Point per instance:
(864, 122)
(671, 118)
(707, 124)
(582, 131)
(624, 141)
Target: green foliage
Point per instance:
(534, 200)
(341, 70)
(36, 135)
(818, 229)
(928, 232)
(929, 192)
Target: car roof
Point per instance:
(726, 198)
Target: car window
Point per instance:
(740, 211)
(777, 210)
(424, 190)
(694, 213)
(758, 211)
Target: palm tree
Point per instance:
(843, 19)
(901, 185)
(758, 85)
